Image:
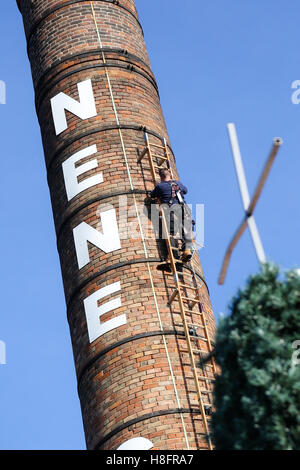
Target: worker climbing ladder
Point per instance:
(185, 301)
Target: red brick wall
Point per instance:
(124, 381)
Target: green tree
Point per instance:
(257, 395)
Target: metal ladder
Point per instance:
(186, 292)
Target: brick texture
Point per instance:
(124, 381)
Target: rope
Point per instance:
(139, 222)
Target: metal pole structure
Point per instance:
(244, 192)
(248, 205)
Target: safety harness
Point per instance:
(175, 193)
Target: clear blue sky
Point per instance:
(215, 62)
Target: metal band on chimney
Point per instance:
(130, 58)
(130, 68)
(145, 417)
(50, 12)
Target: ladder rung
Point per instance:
(201, 377)
(190, 312)
(197, 301)
(162, 157)
(194, 337)
(207, 405)
(194, 351)
(199, 417)
(207, 391)
(200, 364)
(188, 287)
(199, 338)
(192, 325)
(202, 390)
(172, 274)
(188, 275)
(197, 351)
(195, 326)
(158, 146)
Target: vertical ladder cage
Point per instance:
(186, 291)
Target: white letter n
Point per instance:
(107, 241)
(86, 108)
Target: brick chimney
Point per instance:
(95, 93)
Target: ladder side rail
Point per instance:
(186, 331)
(191, 354)
(206, 332)
(150, 158)
(168, 157)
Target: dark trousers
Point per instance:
(179, 222)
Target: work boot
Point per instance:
(186, 256)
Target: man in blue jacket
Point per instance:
(171, 196)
